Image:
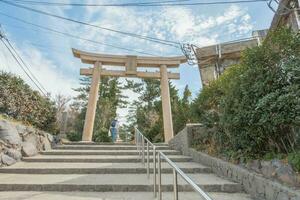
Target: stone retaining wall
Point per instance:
(17, 141)
(254, 184)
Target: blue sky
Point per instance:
(51, 59)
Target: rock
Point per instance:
(15, 154)
(47, 146)
(276, 163)
(29, 149)
(283, 196)
(21, 130)
(2, 142)
(254, 165)
(63, 140)
(46, 143)
(7, 160)
(2, 145)
(286, 174)
(50, 137)
(32, 138)
(30, 130)
(267, 169)
(9, 133)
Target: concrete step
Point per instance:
(114, 196)
(103, 147)
(110, 183)
(97, 168)
(101, 152)
(109, 143)
(98, 158)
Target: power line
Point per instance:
(94, 4)
(20, 65)
(148, 38)
(26, 66)
(147, 4)
(54, 48)
(74, 36)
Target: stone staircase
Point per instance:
(80, 171)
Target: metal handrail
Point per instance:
(140, 143)
(159, 155)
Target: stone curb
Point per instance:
(141, 170)
(95, 147)
(101, 153)
(228, 188)
(99, 160)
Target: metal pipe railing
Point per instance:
(140, 140)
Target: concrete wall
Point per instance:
(17, 141)
(254, 184)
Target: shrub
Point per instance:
(294, 160)
(20, 102)
(102, 136)
(255, 106)
(74, 136)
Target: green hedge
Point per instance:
(20, 102)
(254, 107)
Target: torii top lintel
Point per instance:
(120, 60)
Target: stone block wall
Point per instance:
(17, 141)
(255, 184)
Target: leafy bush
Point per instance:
(74, 136)
(294, 160)
(102, 136)
(19, 101)
(255, 106)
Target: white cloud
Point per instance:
(45, 71)
(180, 24)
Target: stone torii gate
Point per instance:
(131, 63)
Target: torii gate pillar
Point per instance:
(166, 104)
(92, 104)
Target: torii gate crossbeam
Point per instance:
(131, 63)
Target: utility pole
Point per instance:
(1, 33)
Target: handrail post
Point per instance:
(135, 138)
(159, 177)
(140, 148)
(148, 164)
(138, 139)
(154, 170)
(175, 185)
(143, 150)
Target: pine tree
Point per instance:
(147, 114)
(110, 98)
(182, 113)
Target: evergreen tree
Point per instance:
(182, 111)
(110, 98)
(147, 113)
